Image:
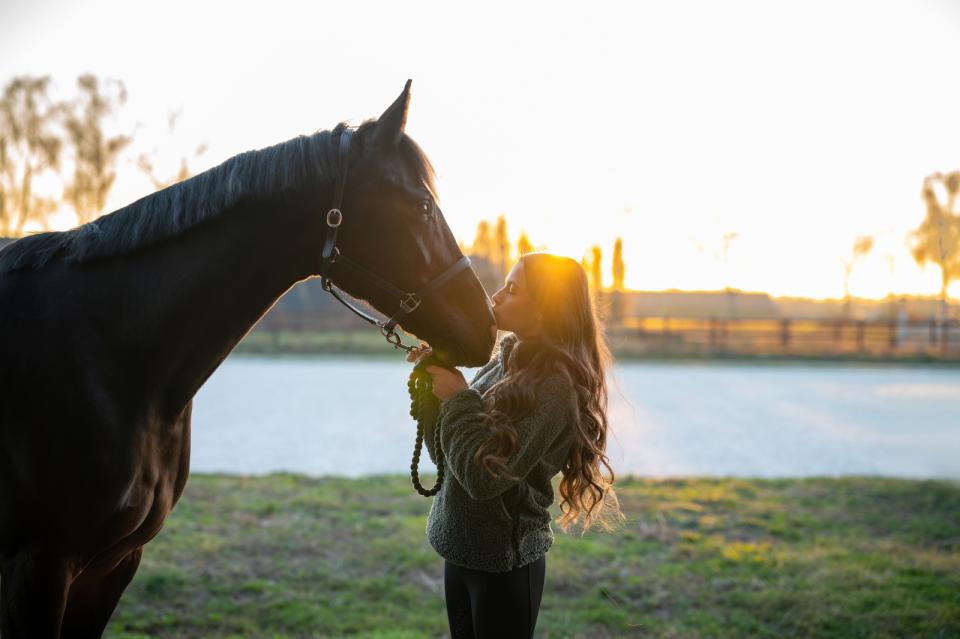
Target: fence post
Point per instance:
(785, 334)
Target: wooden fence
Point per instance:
(794, 337)
(929, 339)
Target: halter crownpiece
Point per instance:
(408, 302)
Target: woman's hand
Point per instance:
(446, 382)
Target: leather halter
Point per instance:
(331, 255)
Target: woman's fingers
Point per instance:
(435, 370)
(416, 356)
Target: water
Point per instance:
(349, 416)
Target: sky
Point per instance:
(798, 126)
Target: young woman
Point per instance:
(536, 409)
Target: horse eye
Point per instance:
(426, 207)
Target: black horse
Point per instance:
(108, 330)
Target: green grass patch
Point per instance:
(290, 556)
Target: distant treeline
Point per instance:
(74, 144)
(494, 254)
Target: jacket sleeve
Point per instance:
(463, 430)
(431, 423)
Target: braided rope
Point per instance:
(425, 409)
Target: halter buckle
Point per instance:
(410, 303)
(334, 218)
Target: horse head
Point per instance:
(392, 227)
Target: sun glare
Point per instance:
(672, 128)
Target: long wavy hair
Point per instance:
(571, 343)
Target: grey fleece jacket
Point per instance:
(491, 524)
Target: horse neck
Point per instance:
(210, 286)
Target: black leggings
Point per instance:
(493, 605)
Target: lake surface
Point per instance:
(349, 416)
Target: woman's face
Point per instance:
(514, 308)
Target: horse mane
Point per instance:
(170, 212)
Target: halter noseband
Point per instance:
(331, 254)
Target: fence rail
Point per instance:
(805, 337)
(709, 336)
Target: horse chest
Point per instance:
(144, 499)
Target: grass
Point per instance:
(288, 556)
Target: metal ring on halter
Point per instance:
(410, 303)
(334, 214)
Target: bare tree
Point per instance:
(28, 149)
(619, 268)
(728, 239)
(95, 154)
(937, 239)
(482, 243)
(523, 244)
(596, 268)
(861, 247)
(502, 244)
(147, 162)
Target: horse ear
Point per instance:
(391, 123)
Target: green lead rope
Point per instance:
(425, 409)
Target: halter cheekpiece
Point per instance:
(408, 302)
